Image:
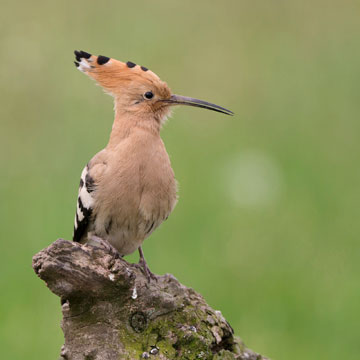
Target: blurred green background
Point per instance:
(267, 224)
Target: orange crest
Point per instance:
(117, 77)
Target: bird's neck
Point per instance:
(126, 122)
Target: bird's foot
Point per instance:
(98, 241)
(143, 265)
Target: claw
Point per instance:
(96, 240)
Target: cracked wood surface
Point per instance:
(110, 310)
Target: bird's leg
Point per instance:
(142, 262)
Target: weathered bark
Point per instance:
(110, 310)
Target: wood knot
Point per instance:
(139, 321)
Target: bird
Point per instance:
(128, 189)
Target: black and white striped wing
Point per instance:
(84, 207)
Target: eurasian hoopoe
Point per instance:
(128, 189)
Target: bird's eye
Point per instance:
(148, 95)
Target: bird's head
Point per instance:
(135, 88)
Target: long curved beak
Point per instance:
(184, 100)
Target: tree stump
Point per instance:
(111, 311)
